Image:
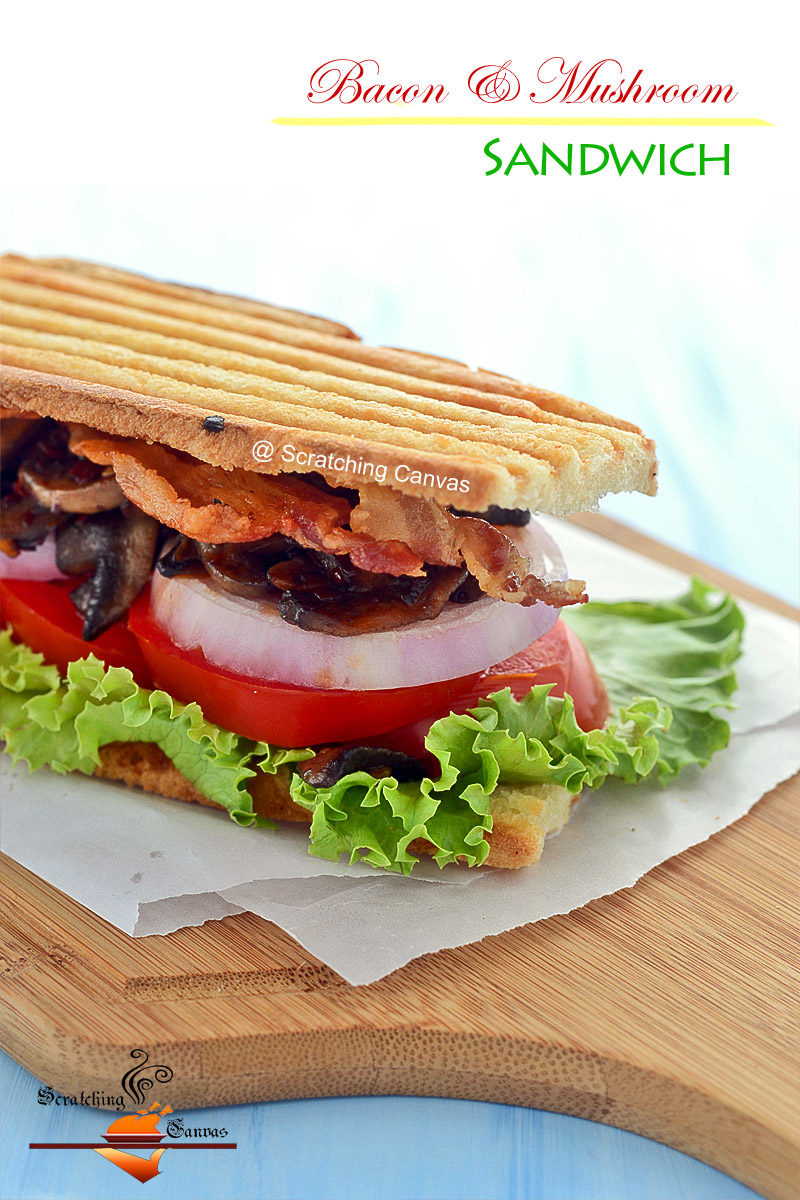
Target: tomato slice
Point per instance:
(281, 713)
(559, 658)
(43, 616)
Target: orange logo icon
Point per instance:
(139, 1129)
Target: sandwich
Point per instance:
(248, 561)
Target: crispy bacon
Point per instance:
(389, 533)
(211, 504)
(504, 572)
(441, 537)
(420, 524)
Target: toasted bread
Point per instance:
(522, 817)
(138, 358)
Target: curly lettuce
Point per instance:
(667, 666)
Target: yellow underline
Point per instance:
(519, 121)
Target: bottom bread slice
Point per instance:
(522, 816)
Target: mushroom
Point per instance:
(329, 765)
(73, 485)
(390, 605)
(25, 522)
(179, 556)
(118, 548)
(496, 515)
(240, 568)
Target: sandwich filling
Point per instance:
(280, 579)
(338, 540)
(435, 705)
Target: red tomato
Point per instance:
(275, 712)
(559, 658)
(43, 616)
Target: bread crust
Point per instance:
(522, 817)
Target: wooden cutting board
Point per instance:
(668, 1009)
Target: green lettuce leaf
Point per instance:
(47, 721)
(667, 667)
(23, 675)
(680, 651)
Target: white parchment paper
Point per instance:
(151, 866)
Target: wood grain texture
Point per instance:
(668, 1009)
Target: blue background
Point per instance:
(356, 1148)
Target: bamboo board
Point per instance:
(667, 1009)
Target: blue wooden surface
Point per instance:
(380, 1148)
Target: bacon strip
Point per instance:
(504, 572)
(211, 504)
(390, 533)
(438, 536)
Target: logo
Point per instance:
(134, 1131)
(139, 1130)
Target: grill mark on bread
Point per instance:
(323, 373)
(559, 445)
(422, 368)
(207, 296)
(281, 361)
(270, 320)
(302, 414)
(112, 344)
(128, 414)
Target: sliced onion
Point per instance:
(38, 564)
(250, 638)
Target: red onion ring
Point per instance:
(38, 564)
(248, 636)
